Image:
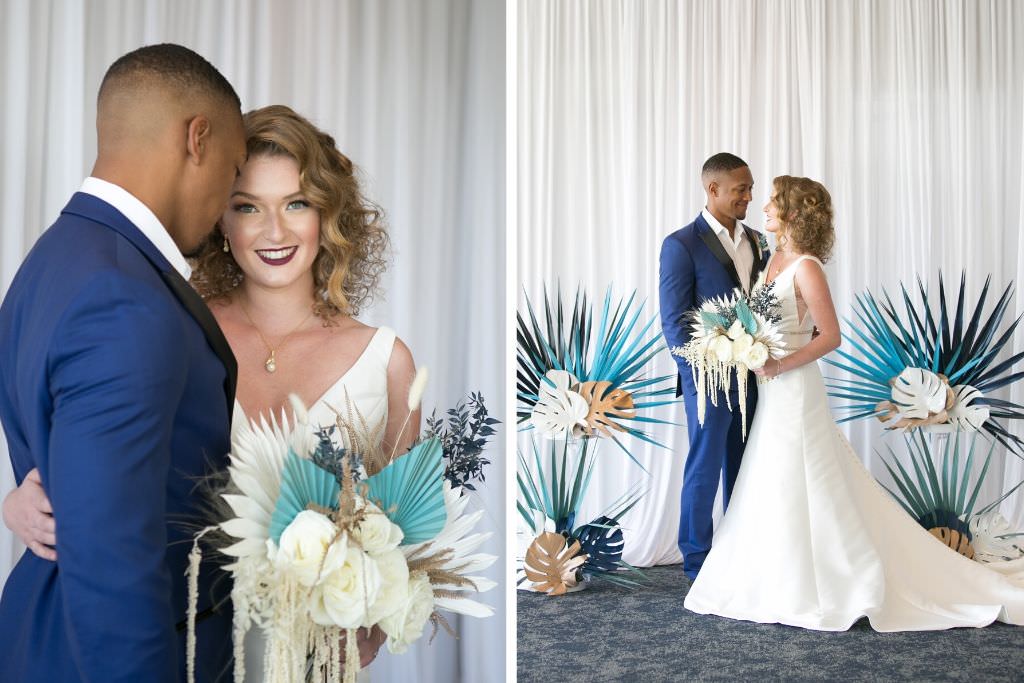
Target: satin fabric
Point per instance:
(812, 540)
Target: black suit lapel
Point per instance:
(715, 245)
(755, 248)
(194, 304)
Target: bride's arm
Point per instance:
(810, 278)
(399, 430)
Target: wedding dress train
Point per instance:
(810, 539)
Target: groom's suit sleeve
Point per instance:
(677, 294)
(116, 371)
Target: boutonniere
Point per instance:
(762, 242)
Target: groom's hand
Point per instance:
(28, 514)
(369, 642)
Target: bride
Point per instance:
(296, 253)
(810, 538)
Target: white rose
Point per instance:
(756, 356)
(341, 598)
(376, 533)
(721, 347)
(741, 344)
(735, 330)
(406, 625)
(310, 548)
(394, 587)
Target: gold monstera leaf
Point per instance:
(606, 405)
(551, 565)
(954, 539)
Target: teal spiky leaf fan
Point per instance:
(410, 492)
(936, 488)
(962, 345)
(615, 348)
(302, 482)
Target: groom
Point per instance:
(117, 384)
(709, 257)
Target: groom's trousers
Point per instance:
(716, 449)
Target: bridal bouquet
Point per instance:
(329, 539)
(730, 335)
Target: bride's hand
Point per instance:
(28, 514)
(770, 370)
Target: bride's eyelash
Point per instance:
(303, 204)
(244, 207)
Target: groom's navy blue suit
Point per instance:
(694, 266)
(115, 382)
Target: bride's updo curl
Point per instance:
(353, 239)
(805, 210)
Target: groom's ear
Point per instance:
(197, 140)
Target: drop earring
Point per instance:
(227, 247)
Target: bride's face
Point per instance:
(772, 223)
(273, 231)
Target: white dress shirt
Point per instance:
(737, 247)
(142, 217)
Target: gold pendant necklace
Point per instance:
(270, 365)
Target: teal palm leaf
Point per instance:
(302, 482)
(938, 489)
(410, 492)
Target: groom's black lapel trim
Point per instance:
(755, 247)
(194, 304)
(715, 245)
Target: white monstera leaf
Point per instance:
(966, 414)
(918, 393)
(990, 540)
(559, 410)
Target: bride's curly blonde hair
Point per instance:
(353, 239)
(805, 211)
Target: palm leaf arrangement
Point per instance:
(578, 381)
(935, 488)
(558, 552)
(326, 539)
(928, 370)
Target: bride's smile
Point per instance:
(277, 257)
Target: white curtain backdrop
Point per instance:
(412, 91)
(910, 112)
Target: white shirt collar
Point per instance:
(720, 229)
(142, 217)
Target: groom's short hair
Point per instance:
(723, 162)
(173, 66)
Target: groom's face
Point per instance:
(731, 192)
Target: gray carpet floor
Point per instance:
(607, 633)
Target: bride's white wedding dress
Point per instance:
(364, 386)
(810, 539)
